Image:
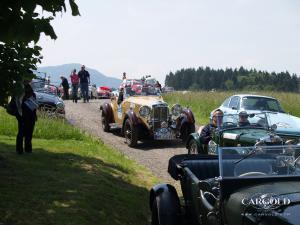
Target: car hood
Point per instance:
(286, 124)
(47, 98)
(146, 100)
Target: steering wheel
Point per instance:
(205, 201)
(252, 174)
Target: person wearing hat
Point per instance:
(243, 119)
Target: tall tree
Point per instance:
(21, 23)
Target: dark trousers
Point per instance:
(66, 93)
(74, 92)
(84, 87)
(25, 131)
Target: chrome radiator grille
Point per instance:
(160, 113)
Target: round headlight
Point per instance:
(60, 105)
(176, 110)
(145, 111)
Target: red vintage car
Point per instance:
(103, 92)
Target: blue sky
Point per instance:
(158, 36)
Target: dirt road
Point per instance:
(152, 154)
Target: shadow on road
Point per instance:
(146, 145)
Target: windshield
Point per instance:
(258, 120)
(138, 90)
(261, 103)
(260, 161)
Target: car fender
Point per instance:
(107, 110)
(168, 203)
(130, 114)
(187, 116)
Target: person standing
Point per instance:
(65, 85)
(158, 85)
(75, 82)
(84, 78)
(26, 116)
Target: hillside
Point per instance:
(64, 70)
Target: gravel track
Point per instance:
(154, 155)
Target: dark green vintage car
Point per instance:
(260, 186)
(231, 132)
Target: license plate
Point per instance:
(163, 135)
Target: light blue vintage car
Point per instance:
(288, 126)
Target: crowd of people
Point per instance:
(82, 80)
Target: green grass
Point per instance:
(202, 103)
(69, 180)
(45, 128)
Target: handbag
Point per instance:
(11, 107)
(31, 103)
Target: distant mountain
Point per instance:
(55, 72)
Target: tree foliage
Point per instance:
(21, 23)
(229, 79)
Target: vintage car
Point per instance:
(144, 114)
(288, 126)
(130, 82)
(231, 132)
(260, 187)
(103, 92)
(48, 99)
(50, 103)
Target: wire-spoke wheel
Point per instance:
(130, 133)
(193, 147)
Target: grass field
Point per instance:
(70, 178)
(202, 103)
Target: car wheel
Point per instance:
(186, 130)
(193, 147)
(154, 216)
(104, 122)
(166, 219)
(130, 133)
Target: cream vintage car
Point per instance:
(141, 113)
